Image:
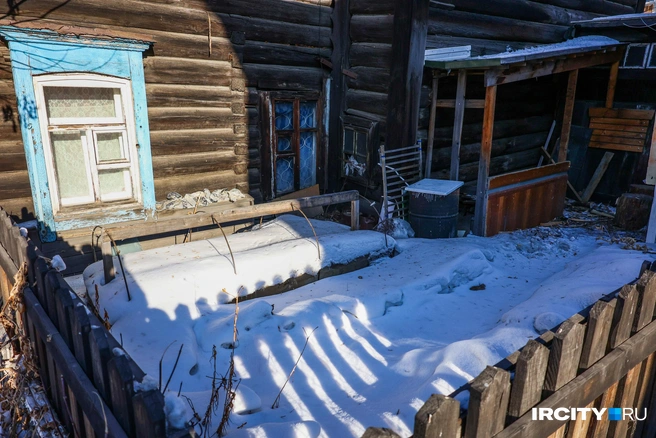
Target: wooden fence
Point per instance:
(87, 377)
(602, 357)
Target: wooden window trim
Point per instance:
(372, 129)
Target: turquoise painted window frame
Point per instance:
(40, 52)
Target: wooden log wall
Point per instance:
(208, 63)
(524, 110)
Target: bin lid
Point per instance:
(440, 187)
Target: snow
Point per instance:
(574, 43)
(387, 336)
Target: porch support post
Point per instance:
(480, 215)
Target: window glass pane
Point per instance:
(70, 164)
(308, 162)
(80, 102)
(652, 60)
(113, 181)
(110, 146)
(284, 143)
(362, 143)
(349, 139)
(284, 175)
(284, 113)
(308, 115)
(635, 56)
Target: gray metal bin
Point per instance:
(433, 206)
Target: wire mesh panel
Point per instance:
(401, 167)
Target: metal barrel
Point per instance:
(434, 216)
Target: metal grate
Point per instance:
(401, 167)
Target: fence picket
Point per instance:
(530, 372)
(625, 397)
(599, 429)
(578, 428)
(149, 418)
(100, 355)
(80, 329)
(52, 284)
(625, 312)
(647, 299)
(40, 270)
(488, 403)
(64, 306)
(438, 417)
(566, 349)
(121, 381)
(596, 337)
(645, 398)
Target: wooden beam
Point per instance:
(612, 84)
(596, 177)
(431, 129)
(567, 114)
(480, 216)
(506, 75)
(457, 124)
(469, 103)
(406, 70)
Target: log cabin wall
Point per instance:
(525, 110)
(203, 99)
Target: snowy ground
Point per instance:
(387, 336)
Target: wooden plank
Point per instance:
(578, 428)
(121, 381)
(625, 397)
(620, 141)
(355, 215)
(100, 355)
(612, 84)
(108, 259)
(616, 127)
(625, 312)
(379, 432)
(528, 175)
(616, 147)
(646, 287)
(469, 103)
(488, 403)
(597, 333)
(589, 385)
(457, 124)
(647, 400)
(484, 161)
(438, 417)
(149, 417)
(618, 121)
(568, 112)
(530, 372)
(81, 348)
(566, 349)
(64, 305)
(621, 113)
(596, 177)
(619, 135)
(431, 129)
(96, 410)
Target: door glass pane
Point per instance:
(284, 175)
(114, 181)
(308, 166)
(284, 113)
(80, 102)
(284, 143)
(110, 146)
(308, 114)
(70, 164)
(349, 141)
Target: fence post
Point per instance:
(379, 432)
(488, 403)
(438, 417)
(596, 337)
(121, 381)
(625, 312)
(149, 418)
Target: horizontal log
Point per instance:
(369, 79)
(498, 165)
(15, 184)
(280, 77)
(472, 25)
(371, 7)
(11, 147)
(259, 52)
(526, 10)
(192, 118)
(189, 163)
(172, 142)
(272, 31)
(376, 55)
(372, 28)
(21, 209)
(368, 101)
(600, 7)
(208, 217)
(177, 45)
(161, 70)
(179, 95)
(12, 161)
(472, 132)
(200, 181)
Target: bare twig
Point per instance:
(175, 365)
(120, 262)
(276, 402)
(159, 385)
(230, 392)
(311, 226)
(232, 256)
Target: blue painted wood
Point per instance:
(34, 52)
